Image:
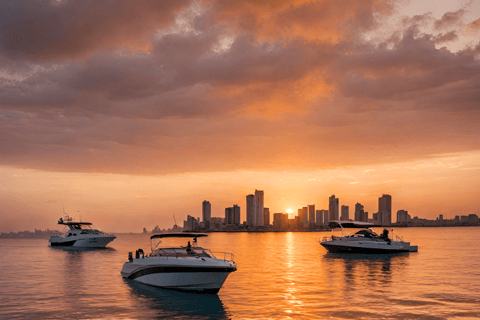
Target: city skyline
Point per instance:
(128, 115)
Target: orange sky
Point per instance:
(129, 112)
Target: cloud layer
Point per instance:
(184, 86)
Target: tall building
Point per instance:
(319, 217)
(403, 217)
(266, 216)
(229, 216)
(385, 209)
(345, 214)
(259, 195)
(305, 216)
(190, 224)
(358, 212)
(252, 205)
(206, 212)
(236, 214)
(333, 208)
(326, 216)
(311, 214)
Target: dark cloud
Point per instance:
(53, 30)
(106, 87)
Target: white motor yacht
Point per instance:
(184, 268)
(80, 234)
(366, 241)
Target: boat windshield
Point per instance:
(367, 233)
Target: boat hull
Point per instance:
(190, 278)
(94, 242)
(358, 249)
(343, 245)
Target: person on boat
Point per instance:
(189, 248)
(384, 235)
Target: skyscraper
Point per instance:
(229, 215)
(266, 216)
(305, 216)
(358, 212)
(236, 214)
(385, 209)
(333, 208)
(345, 214)
(311, 214)
(259, 195)
(252, 205)
(206, 212)
(319, 217)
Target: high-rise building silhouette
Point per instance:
(403, 217)
(333, 208)
(319, 217)
(345, 214)
(260, 220)
(266, 216)
(206, 212)
(385, 209)
(236, 214)
(311, 214)
(359, 210)
(305, 216)
(252, 205)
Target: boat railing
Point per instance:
(181, 253)
(227, 256)
(324, 239)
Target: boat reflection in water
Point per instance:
(177, 304)
(364, 269)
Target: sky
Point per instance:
(130, 113)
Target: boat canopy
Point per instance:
(178, 235)
(350, 224)
(75, 223)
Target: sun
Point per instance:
(289, 211)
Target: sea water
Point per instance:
(280, 276)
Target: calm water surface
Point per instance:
(280, 275)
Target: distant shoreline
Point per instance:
(19, 235)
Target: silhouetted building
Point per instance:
(252, 204)
(311, 214)
(305, 216)
(236, 214)
(319, 217)
(345, 214)
(280, 221)
(232, 215)
(216, 223)
(333, 208)
(326, 216)
(359, 211)
(266, 216)
(259, 194)
(403, 217)
(190, 224)
(385, 209)
(206, 212)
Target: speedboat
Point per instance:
(184, 268)
(366, 241)
(80, 234)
